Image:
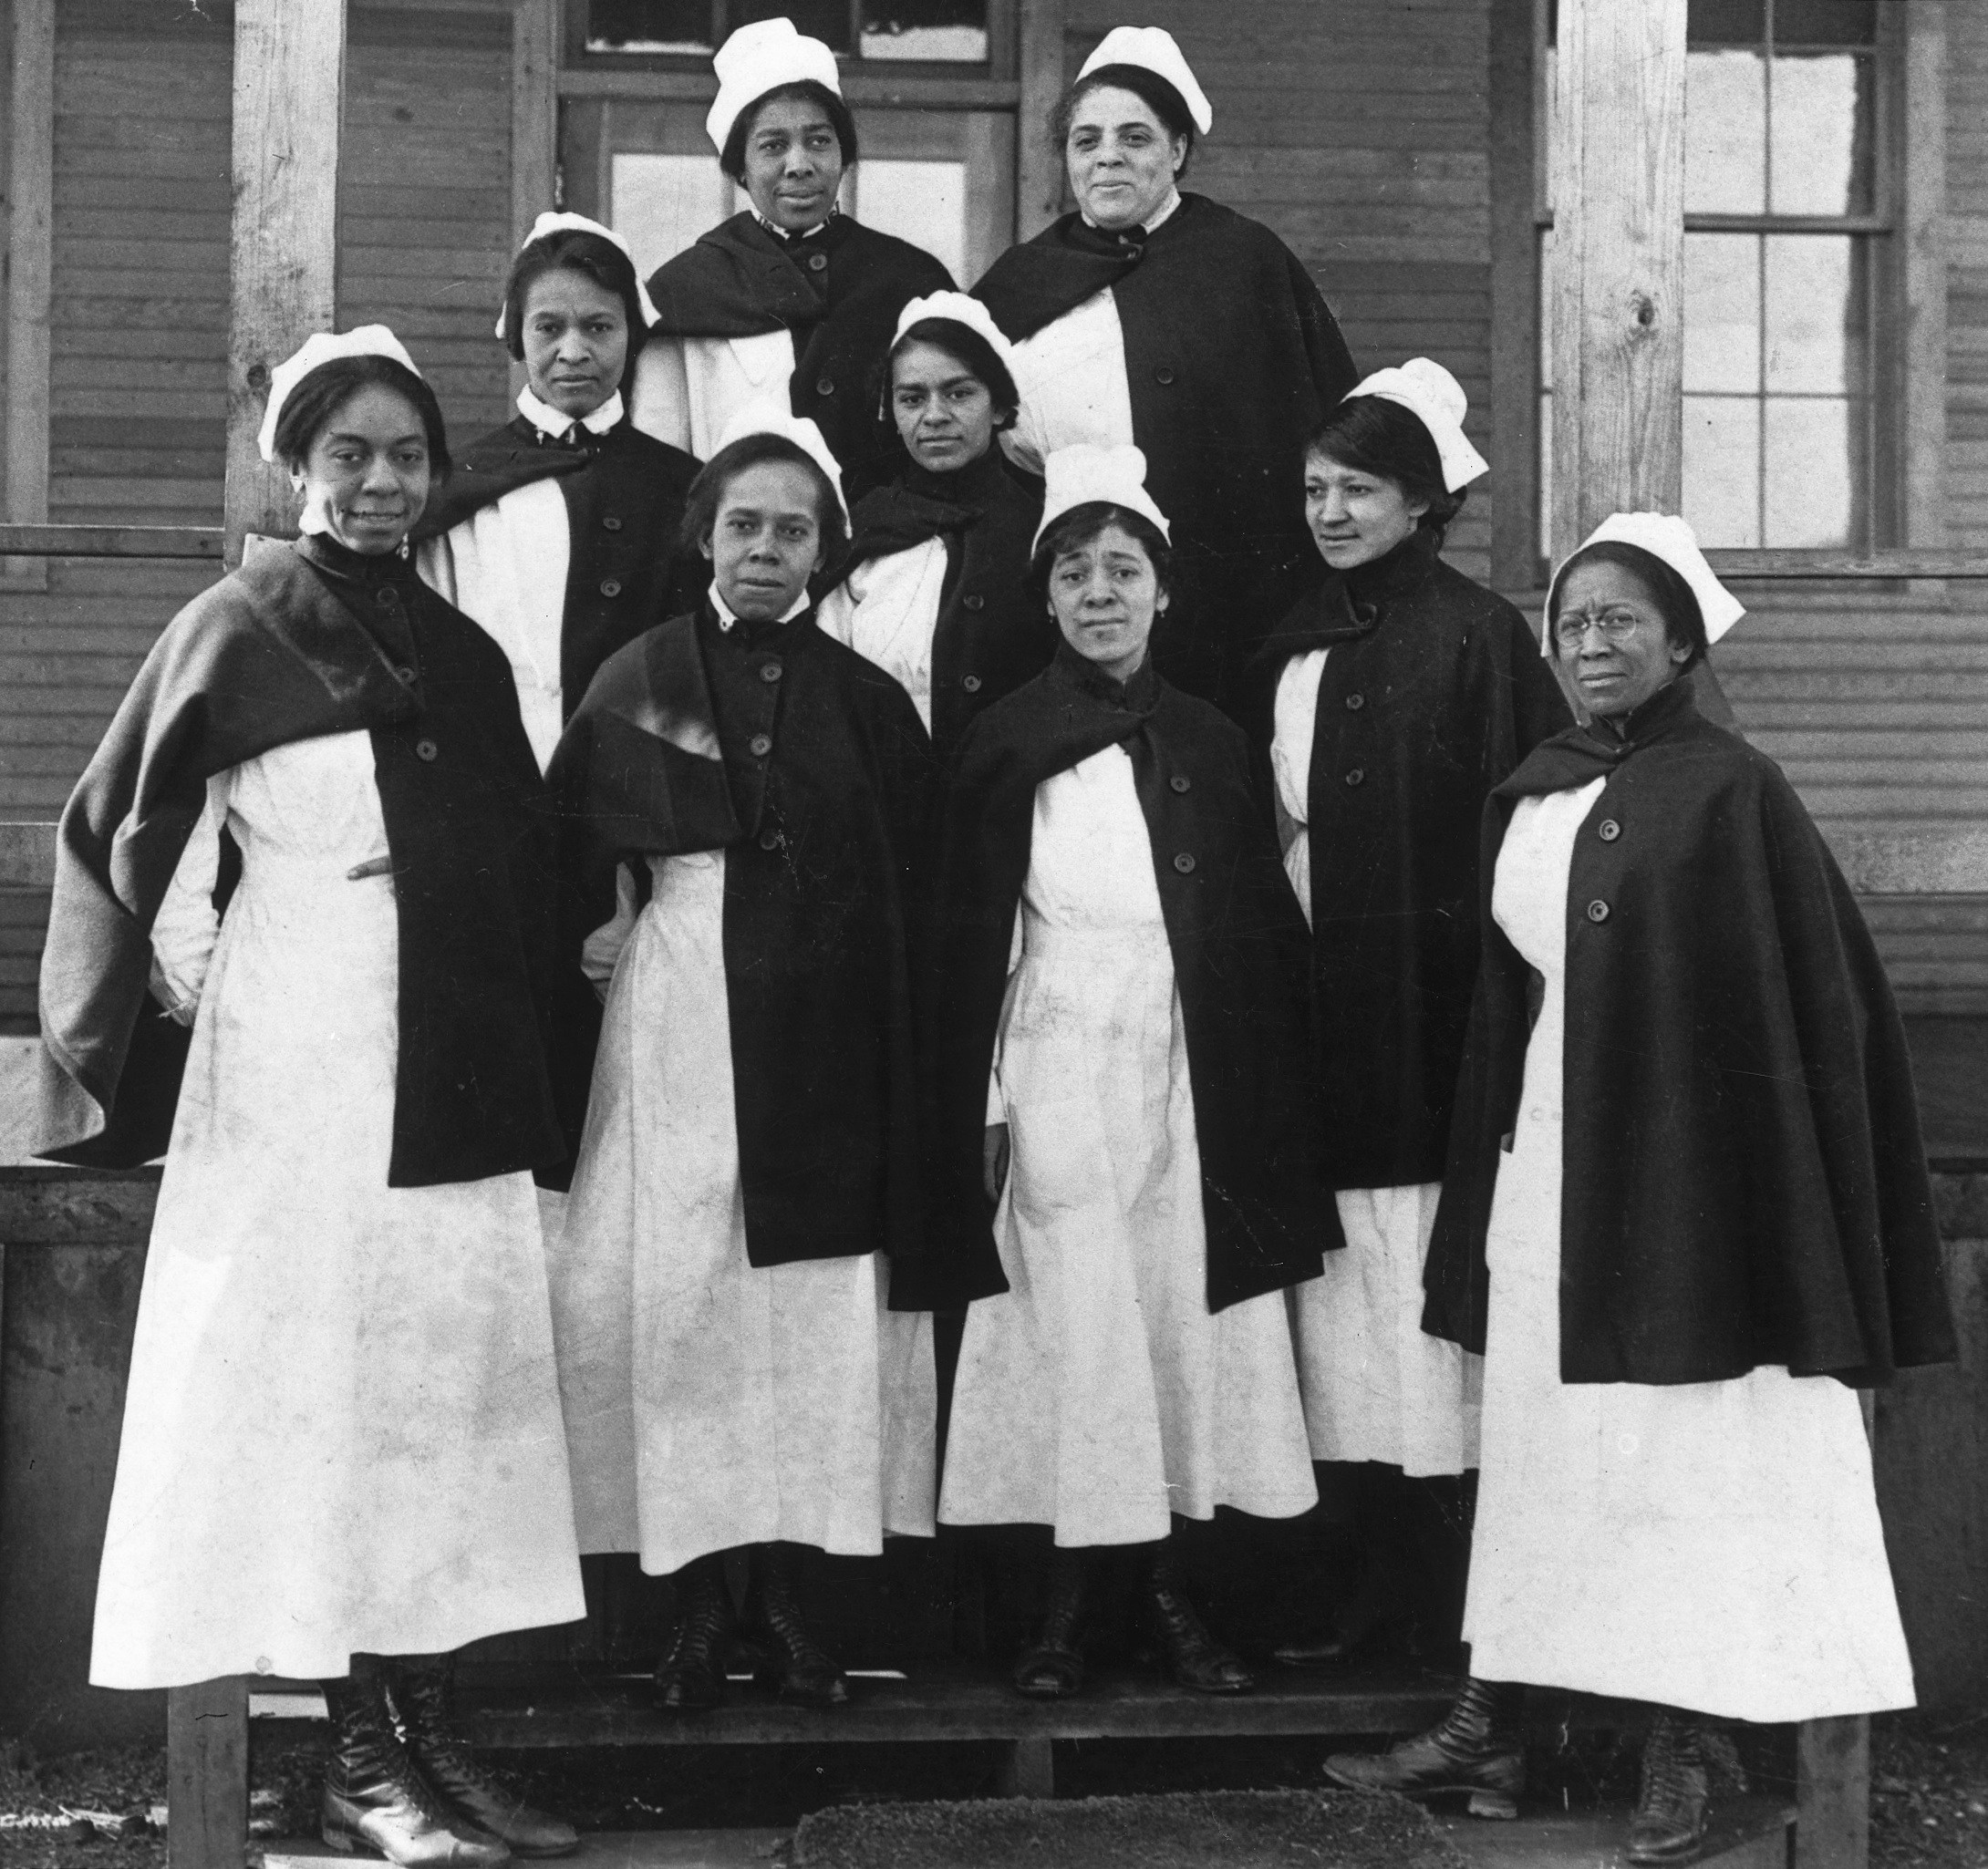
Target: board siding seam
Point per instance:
(30, 277)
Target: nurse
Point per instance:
(1162, 319)
(792, 299)
(1127, 1157)
(1686, 1217)
(1392, 700)
(934, 585)
(733, 1377)
(342, 1455)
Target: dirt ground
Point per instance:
(102, 1810)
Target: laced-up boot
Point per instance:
(420, 1693)
(1194, 1658)
(1470, 1751)
(794, 1659)
(1052, 1666)
(691, 1678)
(1669, 1821)
(375, 1795)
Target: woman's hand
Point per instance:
(994, 1160)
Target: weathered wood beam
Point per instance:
(112, 542)
(1615, 281)
(207, 1775)
(1039, 166)
(534, 112)
(289, 109)
(1924, 519)
(1832, 1793)
(1514, 297)
(30, 272)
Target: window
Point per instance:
(944, 31)
(1789, 267)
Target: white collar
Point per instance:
(726, 616)
(1164, 215)
(784, 235)
(549, 421)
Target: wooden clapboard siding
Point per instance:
(1359, 130)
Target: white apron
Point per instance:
(342, 1430)
(687, 390)
(886, 610)
(1377, 1386)
(710, 1402)
(1709, 1545)
(1099, 1395)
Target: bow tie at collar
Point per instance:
(557, 429)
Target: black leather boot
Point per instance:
(1470, 1750)
(1052, 1666)
(375, 1795)
(419, 1693)
(1669, 1821)
(1194, 1658)
(691, 1678)
(793, 1659)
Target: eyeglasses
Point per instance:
(1616, 626)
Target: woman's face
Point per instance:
(944, 412)
(1611, 640)
(1104, 596)
(792, 163)
(766, 540)
(575, 341)
(1356, 517)
(367, 473)
(1120, 159)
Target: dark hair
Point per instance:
(1373, 435)
(573, 250)
(1684, 621)
(707, 492)
(732, 158)
(966, 348)
(328, 388)
(1071, 530)
(1148, 87)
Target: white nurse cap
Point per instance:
(548, 224)
(961, 309)
(322, 347)
(1088, 475)
(1662, 535)
(768, 418)
(1427, 391)
(758, 58)
(1154, 48)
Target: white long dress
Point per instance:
(687, 390)
(342, 1430)
(710, 1402)
(1377, 1386)
(1099, 1395)
(1713, 1545)
(886, 610)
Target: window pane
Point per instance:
(820, 20)
(1814, 314)
(1725, 133)
(1722, 311)
(954, 30)
(1726, 21)
(1822, 147)
(660, 204)
(1826, 22)
(1722, 469)
(1812, 472)
(649, 26)
(924, 203)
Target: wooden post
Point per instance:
(1028, 1769)
(1925, 260)
(1039, 167)
(1615, 286)
(289, 109)
(207, 1789)
(1832, 1793)
(534, 113)
(1515, 298)
(30, 277)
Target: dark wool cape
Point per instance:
(739, 281)
(1743, 1183)
(624, 492)
(298, 644)
(991, 635)
(1238, 941)
(1231, 358)
(810, 770)
(1433, 690)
